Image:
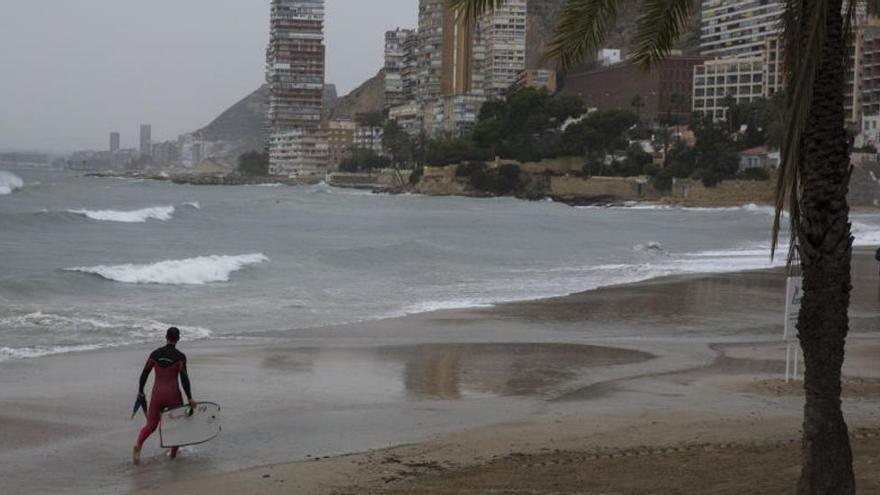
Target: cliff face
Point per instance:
(368, 97)
(243, 124)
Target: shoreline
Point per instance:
(669, 357)
(626, 433)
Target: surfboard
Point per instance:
(179, 428)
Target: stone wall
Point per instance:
(382, 179)
(727, 193)
(609, 188)
(441, 181)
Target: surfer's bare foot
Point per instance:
(136, 455)
(174, 452)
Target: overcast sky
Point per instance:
(71, 71)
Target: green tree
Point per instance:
(525, 125)
(397, 143)
(254, 164)
(364, 160)
(813, 183)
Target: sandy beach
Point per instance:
(668, 386)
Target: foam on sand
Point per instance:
(193, 271)
(9, 183)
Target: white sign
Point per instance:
(793, 294)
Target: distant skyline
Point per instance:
(75, 71)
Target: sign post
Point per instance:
(793, 294)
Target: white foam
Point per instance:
(162, 213)
(9, 183)
(193, 271)
(62, 332)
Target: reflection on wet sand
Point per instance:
(448, 371)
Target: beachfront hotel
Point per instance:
(742, 39)
(295, 75)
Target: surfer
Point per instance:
(169, 364)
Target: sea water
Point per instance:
(89, 263)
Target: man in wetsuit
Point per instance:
(169, 363)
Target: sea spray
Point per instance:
(9, 183)
(193, 271)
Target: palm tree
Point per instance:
(813, 184)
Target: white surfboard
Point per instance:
(179, 428)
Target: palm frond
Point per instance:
(470, 10)
(659, 27)
(804, 34)
(583, 27)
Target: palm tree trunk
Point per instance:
(825, 247)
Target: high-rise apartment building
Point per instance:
(295, 74)
(862, 90)
(146, 143)
(114, 142)
(743, 38)
(401, 46)
(502, 32)
(738, 28)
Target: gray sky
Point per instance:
(71, 71)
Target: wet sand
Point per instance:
(674, 361)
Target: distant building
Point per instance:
(503, 32)
(400, 66)
(295, 74)
(409, 117)
(166, 154)
(738, 28)
(743, 39)
(299, 152)
(863, 77)
(665, 90)
(146, 141)
(745, 79)
(609, 56)
(114, 142)
(758, 157)
(368, 138)
(340, 139)
(538, 78)
(24, 160)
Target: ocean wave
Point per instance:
(653, 247)
(193, 271)
(60, 334)
(161, 213)
(9, 183)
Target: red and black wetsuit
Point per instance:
(169, 363)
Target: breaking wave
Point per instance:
(161, 213)
(59, 334)
(9, 183)
(193, 271)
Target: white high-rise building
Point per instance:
(743, 38)
(401, 47)
(738, 28)
(502, 32)
(295, 75)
